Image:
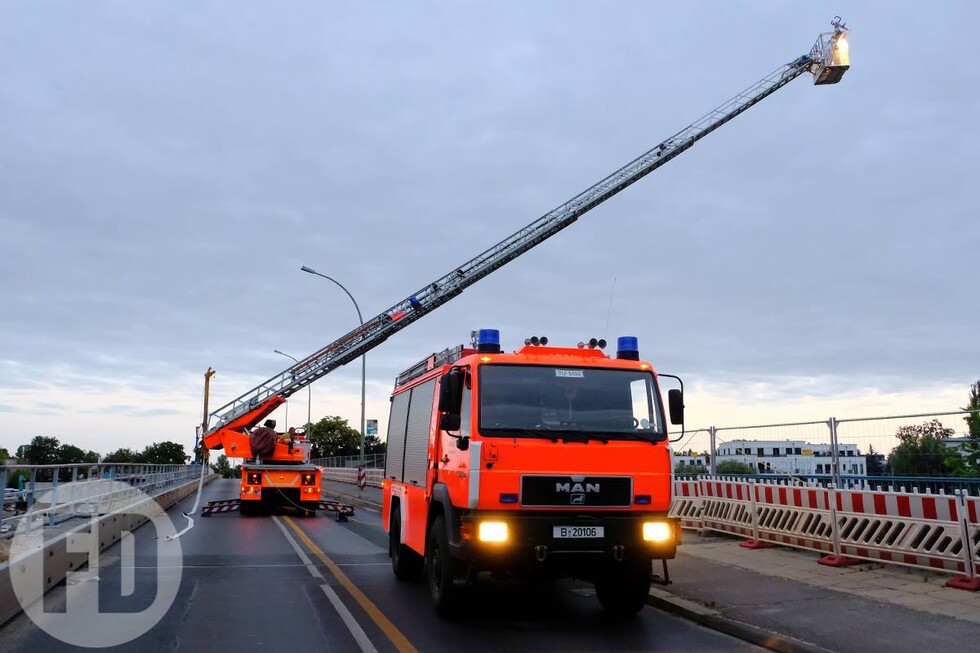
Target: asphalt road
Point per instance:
(288, 583)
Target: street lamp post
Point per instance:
(309, 399)
(363, 356)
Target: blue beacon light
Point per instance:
(488, 341)
(628, 348)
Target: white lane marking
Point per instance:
(355, 628)
(127, 580)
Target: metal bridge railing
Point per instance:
(56, 493)
(371, 461)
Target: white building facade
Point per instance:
(795, 457)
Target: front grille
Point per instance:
(577, 491)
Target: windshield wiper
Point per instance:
(634, 435)
(575, 435)
(547, 434)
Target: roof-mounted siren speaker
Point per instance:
(628, 348)
(488, 341)
(831, 55)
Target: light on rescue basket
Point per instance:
(628, 348)
(488, 341)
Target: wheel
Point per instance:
(446, 597)
(247, 508)
(309, 508)
(623, 588)
(406, 563)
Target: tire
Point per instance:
(623, 588)
(447, 598)
(247, 508)
(309, 508)
(406, 563)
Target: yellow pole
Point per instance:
(204, 421)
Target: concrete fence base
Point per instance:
(349, 475)
(55, 553)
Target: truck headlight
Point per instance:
(657, 531)
(492, 531)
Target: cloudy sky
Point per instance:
(167, 167)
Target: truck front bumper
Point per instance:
(564, 543)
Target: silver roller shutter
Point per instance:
(395, 453)
(417, 438)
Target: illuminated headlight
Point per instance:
(657, 531)
(492, 531)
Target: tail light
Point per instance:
(309, 478)
(254, 478)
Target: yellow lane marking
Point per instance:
(389, 629)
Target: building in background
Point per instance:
(795, 457)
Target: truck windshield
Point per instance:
(569, 403)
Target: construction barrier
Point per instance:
(939, 532)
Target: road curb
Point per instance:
(710, 618)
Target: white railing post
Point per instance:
(969, 567)
(835, 525)
(834, 453)
(712, 434)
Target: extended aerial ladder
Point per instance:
(827, 61)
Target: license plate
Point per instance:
(577, 532)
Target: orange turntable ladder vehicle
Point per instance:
(228, 427)
(284, 478)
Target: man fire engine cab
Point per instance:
(547, 461)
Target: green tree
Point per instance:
(690, 470)
(733, 467)
(4, 455)
(873, 462)
(973, 419)
(333, 436)
(921, 451)
(971, 448)
(41, 451)
(222, 466)
(123, 456)
(69, 453)
(165, 453)
(374, 444)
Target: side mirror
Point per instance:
(451, 391)
(675, 399)
(450, 422)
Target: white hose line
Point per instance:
(197, 503)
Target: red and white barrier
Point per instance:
(686, 505)
(919, 530)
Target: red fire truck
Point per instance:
(548, 461)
